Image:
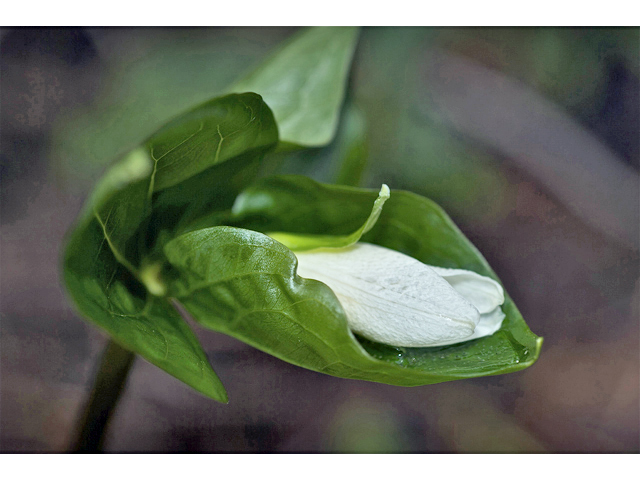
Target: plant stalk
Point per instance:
(109, 382)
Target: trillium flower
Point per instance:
(392, 298)
(395, 299)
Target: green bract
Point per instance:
(183, 219)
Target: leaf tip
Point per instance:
(216, 391)
(224, 398)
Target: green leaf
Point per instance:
(104, 285)
(214, 132)
(177, 177)
(194, 184)
(304, 83)
(243, 283)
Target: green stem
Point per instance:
(109, 382)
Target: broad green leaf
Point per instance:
(110, 268)
(194, 184)
(105, 284)
(216, 131)
(243, 283)
(202, 200)
(304, 83)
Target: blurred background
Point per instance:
(529, 138)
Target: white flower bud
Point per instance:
(397, 300)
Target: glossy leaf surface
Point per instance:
(243, 283)
(304, 83)
(110, 268)
(210, 134)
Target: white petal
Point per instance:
(489, 324)
(484, 293)
(390, 297)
